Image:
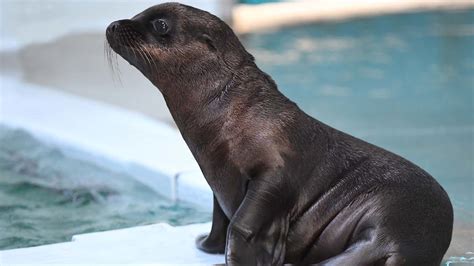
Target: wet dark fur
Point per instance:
(287, 188)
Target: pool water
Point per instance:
(47, 196)
(403, 82)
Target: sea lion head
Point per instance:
(175, 45)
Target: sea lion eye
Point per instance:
(160, 26)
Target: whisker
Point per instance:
(112, 61)
(142, 55)
(132, 46)
(147, 56)
(141, 51)
(149, 51)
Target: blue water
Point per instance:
(47, 196)
(403, 82)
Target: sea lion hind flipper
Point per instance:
(214, 242)
(257, 232)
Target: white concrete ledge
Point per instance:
(158, 244)
(250, 18)
(123, 136)
(109, 132)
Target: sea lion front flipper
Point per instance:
(215, 241)
(257, 231)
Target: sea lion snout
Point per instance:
(123, 33)
(128, 39)
(116, 26)
(113, 26)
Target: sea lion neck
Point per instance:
(239, 91)
(193, 98)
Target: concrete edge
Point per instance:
(156, 244)
(109, 132)
(251, 18)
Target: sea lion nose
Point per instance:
(113, 26)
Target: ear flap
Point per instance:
(209, 41)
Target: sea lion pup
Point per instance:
(287, 188)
